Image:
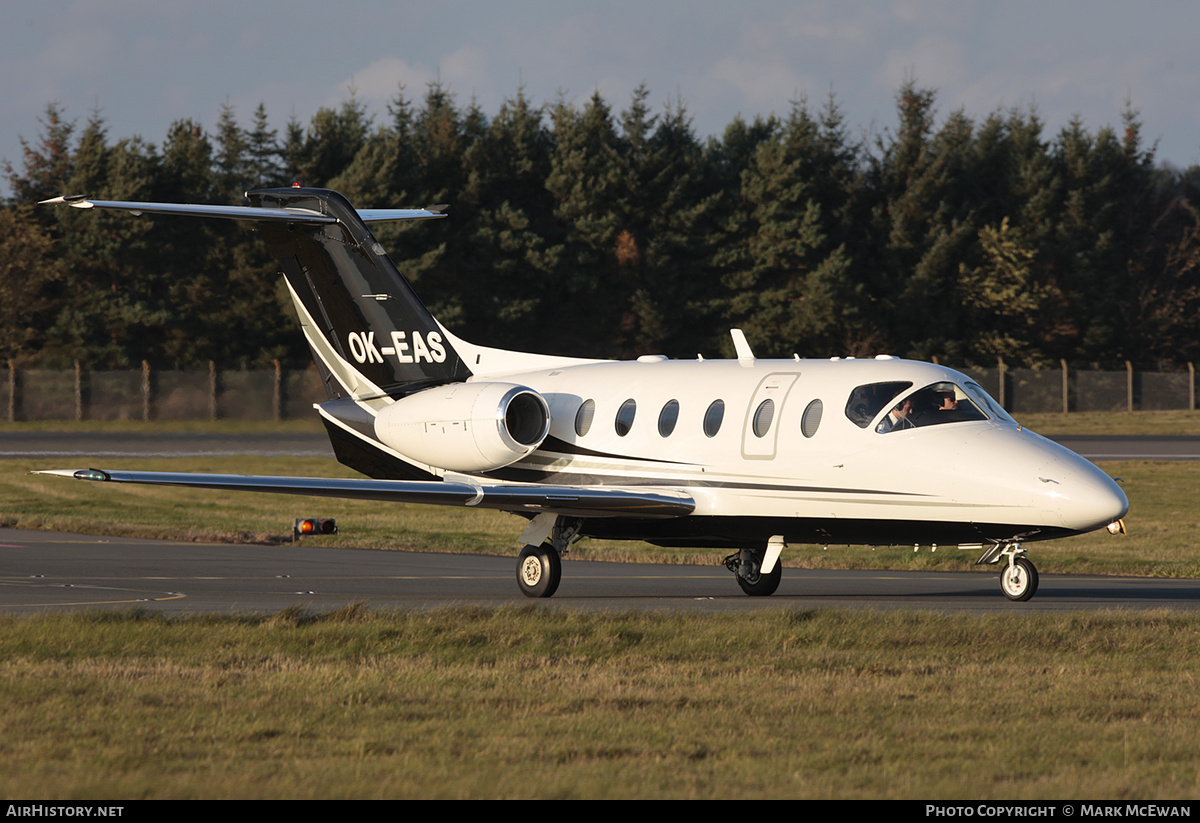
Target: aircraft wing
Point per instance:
(566, 500)
(254, 213)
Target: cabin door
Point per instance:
(760, 431)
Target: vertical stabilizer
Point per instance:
(369, 332)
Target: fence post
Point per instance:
(1128, 386)
(146, 404)
(81, 403)
(14, 391)
(1066, 386)
(212, 390)
(277, 400)
(1001, 381)
(1191, 387)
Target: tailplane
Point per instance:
(371, 335)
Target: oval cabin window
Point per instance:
(811, 419)
(668, 417)
(583, 417)
(625, 417)
(763, 416)
(713, 417)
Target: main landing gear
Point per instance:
(539, 570)
(539, 567)
(747, 566)
(1018, 575)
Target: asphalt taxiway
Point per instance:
(46, 571)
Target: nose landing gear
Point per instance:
(1018, 575)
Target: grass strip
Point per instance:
(535, 702)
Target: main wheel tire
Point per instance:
(1019, 581)
(539, 570)
(762, 585)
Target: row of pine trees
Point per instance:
(583, 230)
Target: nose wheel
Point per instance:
(1019, 579)
(1018, 575)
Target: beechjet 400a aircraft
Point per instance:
(747, 455)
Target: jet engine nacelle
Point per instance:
(466, 426)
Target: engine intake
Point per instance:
(466, 426)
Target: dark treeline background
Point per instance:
(590, 231)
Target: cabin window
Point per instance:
(811, 419)
(668, 417)
(931, 406)
(867, 401)
(583, 417)
(713, 417)
(763, 416)
(625, 417)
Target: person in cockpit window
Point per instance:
(898, 418)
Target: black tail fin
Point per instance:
(369, 332)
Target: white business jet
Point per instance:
(748, 455)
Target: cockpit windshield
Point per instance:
(993, 408)
(932, 406)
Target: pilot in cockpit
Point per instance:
(932, 405)
(898, 418)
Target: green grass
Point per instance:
(1114, 423)
(540, 703)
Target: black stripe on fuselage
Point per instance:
(735, 532)
(553, 445)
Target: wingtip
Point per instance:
(78, 474)
(79, 201)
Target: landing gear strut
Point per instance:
(539, 567)
(1018, 575)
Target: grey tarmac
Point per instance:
(48, 571)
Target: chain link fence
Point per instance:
(152, 394)
(279, 394)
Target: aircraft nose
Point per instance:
(1084, 497)
(1063, 488)
(1088, 498)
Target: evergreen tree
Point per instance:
(585, 184)
(263, 154)
(29, 280)
(47, 162)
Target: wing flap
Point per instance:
(567, 500)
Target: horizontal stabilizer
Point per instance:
(254, 213)
(567, 500)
